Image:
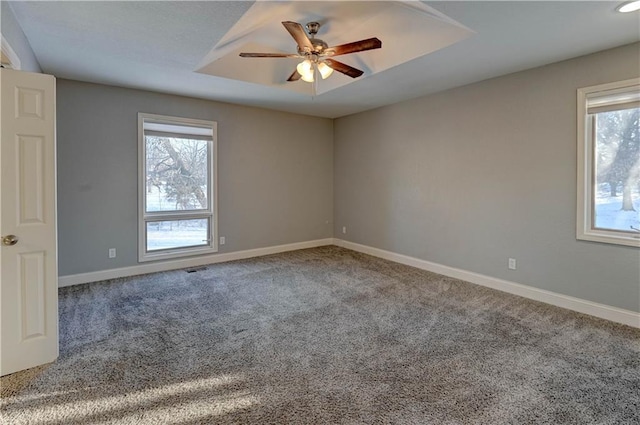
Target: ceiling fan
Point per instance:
(317, 55)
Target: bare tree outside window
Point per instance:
(176, 184)
(176, 174)
(617, 170)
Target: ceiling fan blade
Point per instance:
(268, 55)
(344, 68)
(299, 35)
(295, 76)
(356, 46)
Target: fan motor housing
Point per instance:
(319, 46)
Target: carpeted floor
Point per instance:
(324, 336)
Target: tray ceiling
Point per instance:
(408, 30)
(168, 46)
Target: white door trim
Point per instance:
(10, 54)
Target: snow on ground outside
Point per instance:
(174, 234)
(610, 216)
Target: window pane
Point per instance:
(177, 234)
(617, 170)
(177, 174)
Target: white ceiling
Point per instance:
(341, 22)
(160, 45)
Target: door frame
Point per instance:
(9, 56)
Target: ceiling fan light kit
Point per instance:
(308, 67)
(305, 69)
(324, 70)
(316, 53)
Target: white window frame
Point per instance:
(210, 213)
(586, 175)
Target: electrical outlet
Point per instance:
(512, 263)
(344, 230)
(112, 253)
(222, 240)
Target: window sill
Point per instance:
(613, 238)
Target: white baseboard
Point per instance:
(602, 311)
(77, 279)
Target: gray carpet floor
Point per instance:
(324, 336)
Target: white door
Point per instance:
(28, 256)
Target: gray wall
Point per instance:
(12, 32)
(275, 173)
(465, 178)
(474, 175)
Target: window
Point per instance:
(609, 163)
(176, 187)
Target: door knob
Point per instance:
(10, 240)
